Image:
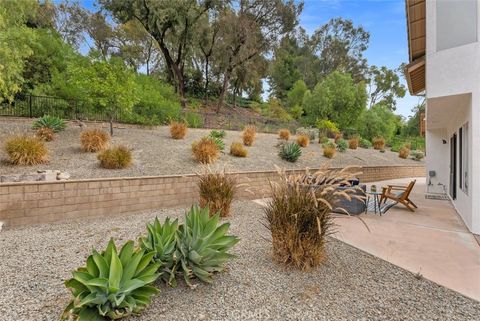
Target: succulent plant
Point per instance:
(217, 133)
(342, 145)
(218, 141)
(161, 241)
(54, 123)
(290, 152)
(202, 246)
(112, 285)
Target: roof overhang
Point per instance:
(416, 29)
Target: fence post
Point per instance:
(30, 105)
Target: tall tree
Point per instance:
(337, 98)
(385, 87)
(170, 23)
(250, 28)
(340, 46)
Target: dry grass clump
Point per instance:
(45, 133)
(379, 143)
(237, 149)
(404, 152)
(329, 151)
(24, 150)
(117, 157)
(303, 140)
(205, 151)
(284, 134)
(248, 135)
(299, 215)
(338, 136)
(353, 142)
(94, 140)
(217, 190)
(178, 130)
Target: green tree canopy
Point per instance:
(337, 98)
(378, 121)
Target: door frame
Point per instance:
(453, 166)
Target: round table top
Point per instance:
(374, 193)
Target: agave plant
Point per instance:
(290, 152)
(161, 241)
(217, 133)
(202, 246)
(218, 141)
(112, 285)
(54, 123)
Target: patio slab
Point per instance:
(433, 241)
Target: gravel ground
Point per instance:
(351, 285)
(155, 153)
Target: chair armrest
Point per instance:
(398, 186)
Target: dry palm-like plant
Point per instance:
(205, 151)
(24, 150)
(238, 150)
(299, 214)
(303, 140)
(178, 130)
(284, 134)
(353, 142)
(94, 140)
(217, 190)
(45, 133)
(248, 135)
(117, 157)
(379, 143)
(404, 152)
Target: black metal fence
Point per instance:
(37, 106)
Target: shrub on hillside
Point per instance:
(323, 139)
(205, 151)
(379, 143)
(365, 143)
(329, 152)
(248, 136)
(284, 134)
(24, 150)
(54, 123)
(217, 190)
(327, 128)
(312, 133)
(404, 152)
(303, 140)
(45, 134)
(290, 152)
(342, 145)
(237, 149)
(94, 140)
(117, 157)
(417, 155)
(178, 130)
(353, 142)
(299, 215)
(193, 119)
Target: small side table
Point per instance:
(376, 201)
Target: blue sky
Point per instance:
(384, 19)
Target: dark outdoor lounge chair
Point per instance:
(399, 194)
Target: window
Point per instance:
(463, 153)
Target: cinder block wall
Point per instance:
(43, 202)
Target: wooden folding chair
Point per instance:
(399, 194)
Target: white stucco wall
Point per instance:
(454, 71)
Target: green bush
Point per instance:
(342, 145)
(290, 152)
(54, 123)
(112, 284)
(193, 119)
(417, 155)
(326, 127)
(329, 144)
(323, 139)
(365, 143)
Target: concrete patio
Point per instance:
(433, 241)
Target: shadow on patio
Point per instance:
(433, 241)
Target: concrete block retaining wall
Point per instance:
(43, 202)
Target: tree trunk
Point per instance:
(205, 96)
(235, 97)
(111, 125)
(175, 71)
(221, 98)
